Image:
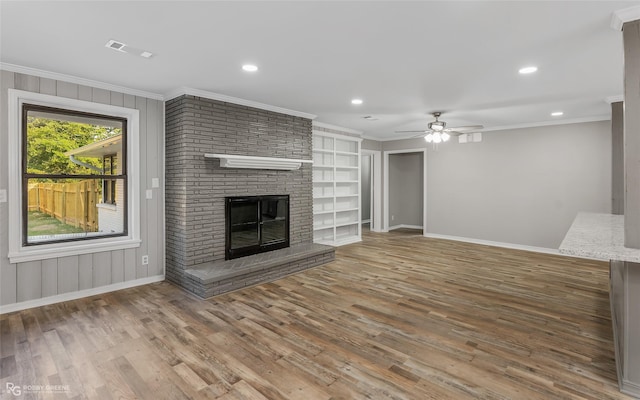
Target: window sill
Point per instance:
(107, 206)
(55, 250)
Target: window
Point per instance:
(68, 169)
(72, 186)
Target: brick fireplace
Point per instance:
(196, 189)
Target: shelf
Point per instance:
(347, 153)
(347, 209)
(252, 162)
(343, 195)
(347, 181)
(324, 241)
(322, 228)
(346, 167)
(323, 212)
(346, 224)
(329, 151)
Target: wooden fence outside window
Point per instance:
(70, 203)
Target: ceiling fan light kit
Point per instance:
(437, 132)
(437, 137)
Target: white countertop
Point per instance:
(599, 236)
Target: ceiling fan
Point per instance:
(438, 132)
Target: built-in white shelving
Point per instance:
(336, 189)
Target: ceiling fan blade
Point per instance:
(464, 128)
(427, 131)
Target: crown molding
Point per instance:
(77, 80)
(614, 99)
(515, 126)
(150, 95)
(235, 100)
(336, 128)
(375, 139)
(619, 17)
(549, 123)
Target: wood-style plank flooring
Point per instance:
(398, 316)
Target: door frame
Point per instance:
(386, 185)
(376, 189)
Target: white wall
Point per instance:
(520, 186)
(34, 282)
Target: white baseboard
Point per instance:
(79, 294)
(514, 246)
(405, 226)
(630, 388)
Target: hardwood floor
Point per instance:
(398, 316)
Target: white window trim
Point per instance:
(20, 253)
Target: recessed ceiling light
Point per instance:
(556, 113)
(528, 70)
(250, 67)
(370, 118)
(356, 101)
(146, 54)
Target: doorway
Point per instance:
(371, 190)
(366, 190)
(405, 195)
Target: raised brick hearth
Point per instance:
(196, 189)
(214, 278)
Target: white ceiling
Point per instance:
(404, 59)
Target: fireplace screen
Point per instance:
(256, 224)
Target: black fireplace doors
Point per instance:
(256, 224)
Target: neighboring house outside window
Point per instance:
(73, 175)
(109, 167)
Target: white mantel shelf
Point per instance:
(253, 162)
(599, 236)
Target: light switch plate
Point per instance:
(3, 195)
(155, 182)
(149, 194)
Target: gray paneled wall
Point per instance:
(38, 279)
(617, 158)
(197, 187)
(631, 39)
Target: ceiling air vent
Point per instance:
(115, 45)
